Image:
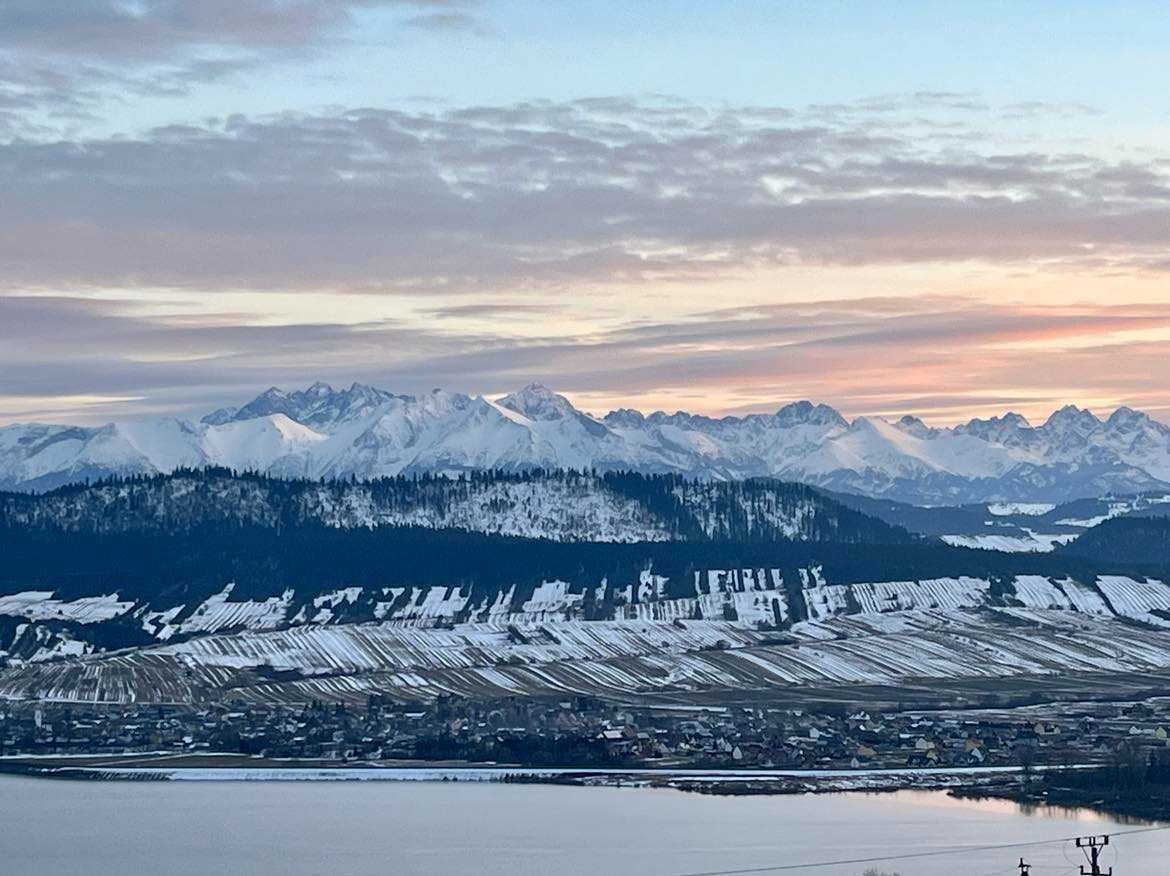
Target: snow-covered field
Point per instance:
(1030, 543)
(746, 598)
(737, 632)
(611, 658)
(40, 605)
(1028, 509)
(736, 627)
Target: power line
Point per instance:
(933, 853)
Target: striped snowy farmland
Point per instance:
(616, 659)
(738, 631)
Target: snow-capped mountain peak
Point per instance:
(625, 418)
(319, 406)
(1071, 419)
(1009, 430)
(363, 431)
(1127, 420)
(914, 426)
(806, 413)
(538, 402)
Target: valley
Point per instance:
(215, 606)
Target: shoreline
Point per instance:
(729, 781)
(1138, 809)
(964, 783)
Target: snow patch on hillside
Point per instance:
(559, 509)
(1031, 543)
(1027, 509)
(1137, 599)
(40, 605)
(218, 613)
(927, 595)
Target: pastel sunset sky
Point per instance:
(943, 209)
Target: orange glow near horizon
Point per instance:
(992, 340)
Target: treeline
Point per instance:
(1134, 540)
(1134, 783)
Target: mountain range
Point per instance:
(365, 433)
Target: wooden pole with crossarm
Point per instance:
(1091, 846)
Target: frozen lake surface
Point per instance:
(58, 827)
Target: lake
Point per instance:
(336, 828)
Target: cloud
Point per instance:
(879, 355)
(118, 29)
(449, 22)
(1049, 109)
(67, 61)
(493, 309)
(508, 240)
(545, 194)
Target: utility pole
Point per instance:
(1091, 847)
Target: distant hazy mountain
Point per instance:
(363, 432)
(1012, 527)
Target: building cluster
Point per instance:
(585, 731)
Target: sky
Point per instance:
(944, 209)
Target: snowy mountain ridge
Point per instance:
(364, 432)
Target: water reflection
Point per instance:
(426, 828)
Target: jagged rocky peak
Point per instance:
(1126, 419)
(1000, 430)
(805, 413)
(272, 401)
(319, 405)
(679, 418)
(364, 390)
(440, 398)
(537, 402)
(868, 424)
(220, 416)
(912, 425)
(1071, 419)
(625, 417)
(274, 395)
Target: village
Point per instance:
(584, 731)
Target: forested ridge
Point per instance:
(1134, 540)
(562, 505)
